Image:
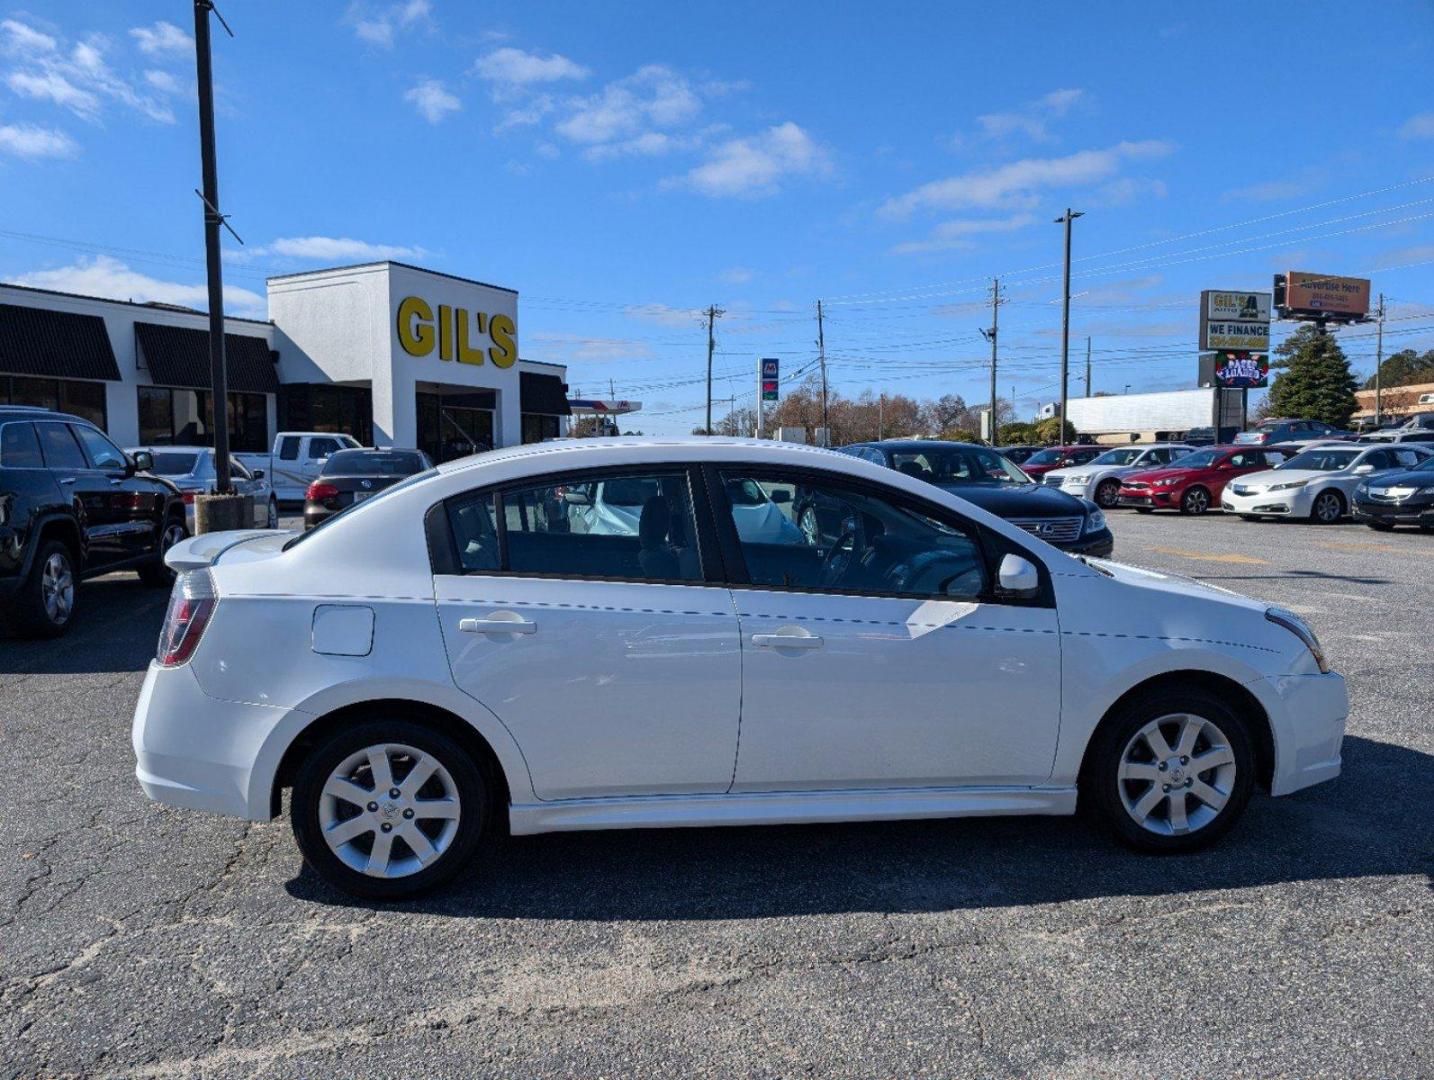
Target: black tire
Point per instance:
(1320, 512)
(1380, 526)
(1196, 500)
(1106, 494)
(155, 574)
(1102, 788)
(272, 521)
(327, 756)
(1144, 509)
(30, 615)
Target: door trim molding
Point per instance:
(786, 808)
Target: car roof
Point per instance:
(36, 412)
(916, 444)
(163, 449)
(570, 454)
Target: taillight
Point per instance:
(188, 497)
(319, 491)
(191, 605)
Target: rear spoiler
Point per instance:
(197, 552)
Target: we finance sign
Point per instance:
(1234, 321)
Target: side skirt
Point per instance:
(785, 808)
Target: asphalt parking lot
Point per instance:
(139, 941)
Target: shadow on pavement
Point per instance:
(1299, 575)
(116, 625)
(1374, 820)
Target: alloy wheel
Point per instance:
(1107, 494)
(57, 589)
(1176, 774)
(1196, 501)
(1327, 508)
(171, 536)
(389, 810)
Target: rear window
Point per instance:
(19, 448)
(168, 463)
(374, 463)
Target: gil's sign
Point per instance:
(1234, 321)
(1241, 370)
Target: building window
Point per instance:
(174, 417)
(83, 399)
(346, 410)
(537, 427)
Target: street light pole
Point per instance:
(1066, 219)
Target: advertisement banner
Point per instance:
(1222, 306)
(1322, 294)
(1241, 370)
(1233, 320)
(1236, 336)
(769, 379)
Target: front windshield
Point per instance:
(1321, 460)
(957, 465)
(359, 507)
(1044, 457)
(1200, 459)
(1118, 457)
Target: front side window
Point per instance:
(321, 448)
(61, 450)
(627, 527)
(1126, 456)
(867, 544)
(102, 453)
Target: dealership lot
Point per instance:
(141, 941)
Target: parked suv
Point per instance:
(73, 505)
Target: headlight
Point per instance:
(1295, 625)
(1362, 488)
(1429, 490)
(1167, 482)
(1094, 521)
(1077, 479)
(1289, 486)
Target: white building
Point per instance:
(392, 354)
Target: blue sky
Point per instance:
(623, 166)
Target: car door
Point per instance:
(136, 503)
(88, 489)
(885, 660)
(612, 657)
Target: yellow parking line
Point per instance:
(1369, 545)
(1210, 556)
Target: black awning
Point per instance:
(545, 394)
(57, 344)
(179, 356)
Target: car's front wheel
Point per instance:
(1195, 501)
(1328, 508)
(388, 809)
(1107, 493)
(1171, 772)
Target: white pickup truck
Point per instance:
(294, 462)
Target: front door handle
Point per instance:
(67, 480)
(788, 639)
(498, 624)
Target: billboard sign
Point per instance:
(1234, 321)
(1241, 370)
(770, 368)
(1321, 295)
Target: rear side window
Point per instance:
(61, 450)
(19, 448)
(624, 528)
(289, 448)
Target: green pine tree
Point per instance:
(1314, 381)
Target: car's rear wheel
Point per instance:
(271, 519)
(1195, 501)
(1106, 493)
(156, 573)
(1171, 772)
(45, 604)
(1328, 508)
(388, 809)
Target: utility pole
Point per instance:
(1087, 365)
(991, 337)
(219, 388)
(713, 314)
(1379, 363)
(881, 417)
(822, 356)
(1066, 219)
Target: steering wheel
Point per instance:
(838, 558)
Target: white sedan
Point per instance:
(453, 656)
(1318, 483)
(1099, 479)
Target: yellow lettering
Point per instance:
(467, 355)
(415, 326)
(445, 332)
(501, 329)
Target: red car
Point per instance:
(1058, 457)
(1193, 483)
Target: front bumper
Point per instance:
(198, 752)
(1408, 512)
(1098, 545)
(1296, 502)
(1307, 713)
(1149, 498)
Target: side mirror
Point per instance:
(143, 460)
(1364, 468)
(781, 495)
(1017, 577)
(257, 474)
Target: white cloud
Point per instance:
(380, 26)
(1016, 184)
(432, 100)
(756, 165)
(77, 78)
(162, 81)
(1129, 189)
(510, 68)
(653, 97)
(108, 277)
(337, 249)
(1031, 119)
(35, 143)
(956, 234)
(737, 275)
(1418, 127)
(162, 37)
(576, 347)
(662, 315)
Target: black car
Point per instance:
(73, 505)
(983, 476)
(1018, 454)
(351, 476)
(1405, 497)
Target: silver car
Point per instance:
(191, 469)
(1099, 478)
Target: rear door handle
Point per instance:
(788, 640)
(496, 625)
(67, 480)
